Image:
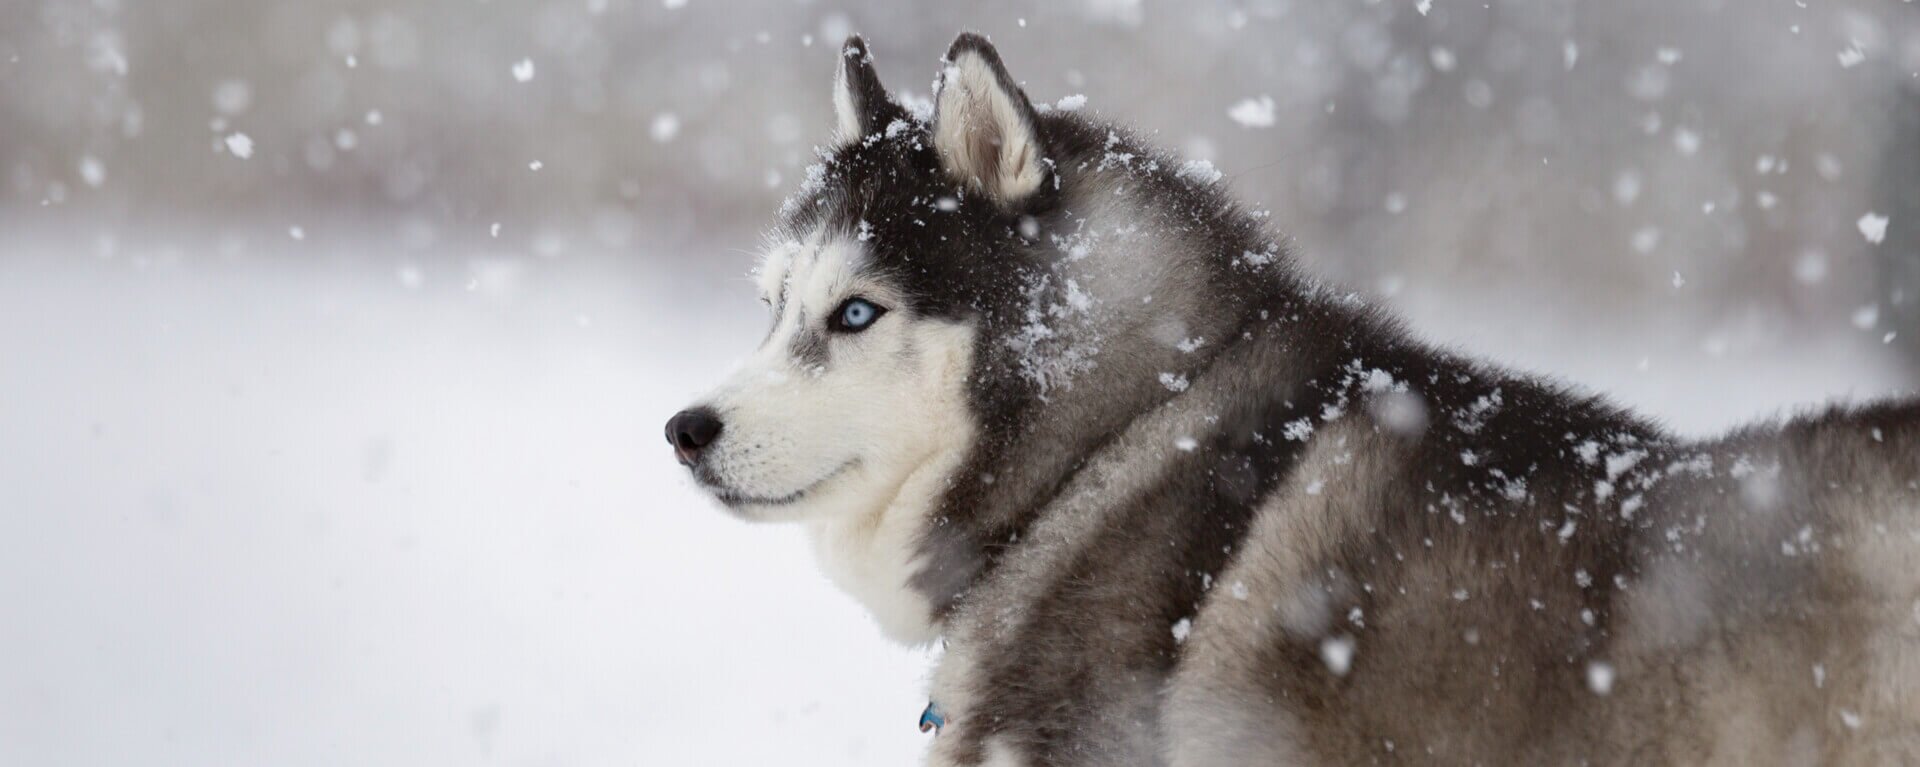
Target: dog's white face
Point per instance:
(847, 396)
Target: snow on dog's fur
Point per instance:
(1046, 394)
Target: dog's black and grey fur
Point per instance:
(1211, 513)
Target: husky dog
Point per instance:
(1044, 393)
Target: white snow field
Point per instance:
(290, 513)
(329, 507)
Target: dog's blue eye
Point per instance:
(855, 315)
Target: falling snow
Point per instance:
(1866, 317)
(1253, 112)
(1873, 226)
(666, 126)
(1600, 677)
(1337, 652)
(91, 171)
(1851, 56)
(240, 145)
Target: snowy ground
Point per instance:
(305, 515)
(319, 509)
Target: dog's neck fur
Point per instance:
(1108, 260)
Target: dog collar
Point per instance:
(933, 718)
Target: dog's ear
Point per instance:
(860, 104)
(985, 130)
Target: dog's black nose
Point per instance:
(691, 430)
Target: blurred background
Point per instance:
(336, 336)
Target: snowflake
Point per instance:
(1253, 112)
(240, 144)
(1873, 226)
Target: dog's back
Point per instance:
(1809, 561)
(1758, 604)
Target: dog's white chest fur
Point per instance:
(874, 556)
(872, 560)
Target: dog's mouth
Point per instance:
(736, 499)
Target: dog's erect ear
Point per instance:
(860, 103)
(985, 130)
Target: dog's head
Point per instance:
(878, 276)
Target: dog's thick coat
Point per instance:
(1169, 502)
